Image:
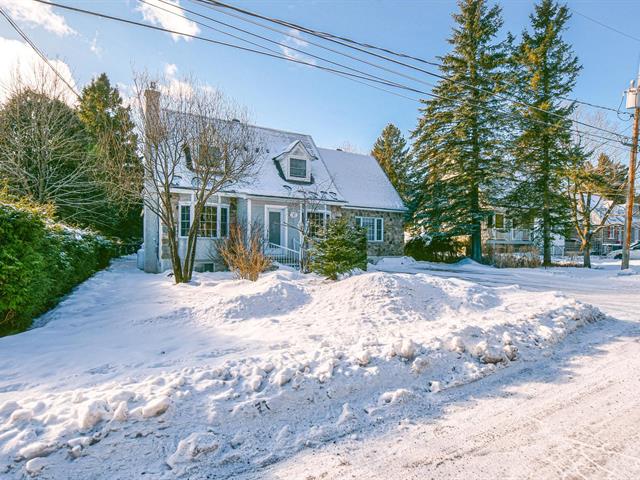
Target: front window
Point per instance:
(208, 222)
(297, 168)
(214, 221)
(185, 220)
(499, 220)
(316, 221)
(374, 227)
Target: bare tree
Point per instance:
(43, 149)
(193, 136)
(596, 185)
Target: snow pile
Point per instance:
(133, 374)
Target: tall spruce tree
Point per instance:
(545, 70)
(392, 154)
(457, 147)
(114, 152)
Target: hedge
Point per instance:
(40, 262)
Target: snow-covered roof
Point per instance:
(267, 179)
(337, 176)
(361, 180)
(617, 216)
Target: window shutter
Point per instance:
(224, 222)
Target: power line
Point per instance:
(363, 61)
(602, 24)
(37, 50)
(226, 44)
(331, 70)
(347, 42)
(271, 41)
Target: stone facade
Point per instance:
(392, 243)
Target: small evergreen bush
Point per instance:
(41, 261)
(343, 249)
(435, 249)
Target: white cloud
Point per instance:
(94, 47)
(170, 69)
(37, 14)
(18, 60)
(295, 40)
(172, 85)
(165, 19)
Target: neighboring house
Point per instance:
(503, 233)
(611, 236)
(293, 178)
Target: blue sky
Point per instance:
(293, 97)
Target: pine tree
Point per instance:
(392, 154)
(114, 150)
(545, 71)
(457, 147)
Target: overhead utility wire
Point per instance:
(283, 45)
(37, 50)
(350, 44)
(359, 71)
(225, 44)
(602, 24)
(209, 40)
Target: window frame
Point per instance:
(189, 208)
(306, 168)
(218, 226)
(326, 215)
(213, 223)
(378, 227)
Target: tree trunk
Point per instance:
(546, 240)
(175, 260)
(476, 225)
(586, 246)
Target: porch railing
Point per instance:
(283, 255)
(510, 234)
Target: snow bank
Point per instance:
(136, 375)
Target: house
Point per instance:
(611, 236)
(292, 174)
(503, 233)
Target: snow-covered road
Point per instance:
(576, 415)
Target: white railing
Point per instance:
(283, 255)
(510, 234)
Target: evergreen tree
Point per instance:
(342, 249)
(114, 151)
(457, 147)
(545, 69)
(392, 154)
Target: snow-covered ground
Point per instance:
(132, 375)
(572, 415)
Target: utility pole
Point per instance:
(633, 102)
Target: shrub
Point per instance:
(435, 249)
(343, 249)
(245, 258)
(525, 257)
(40, 262)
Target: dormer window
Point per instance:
(294, 163)
(297, 168)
